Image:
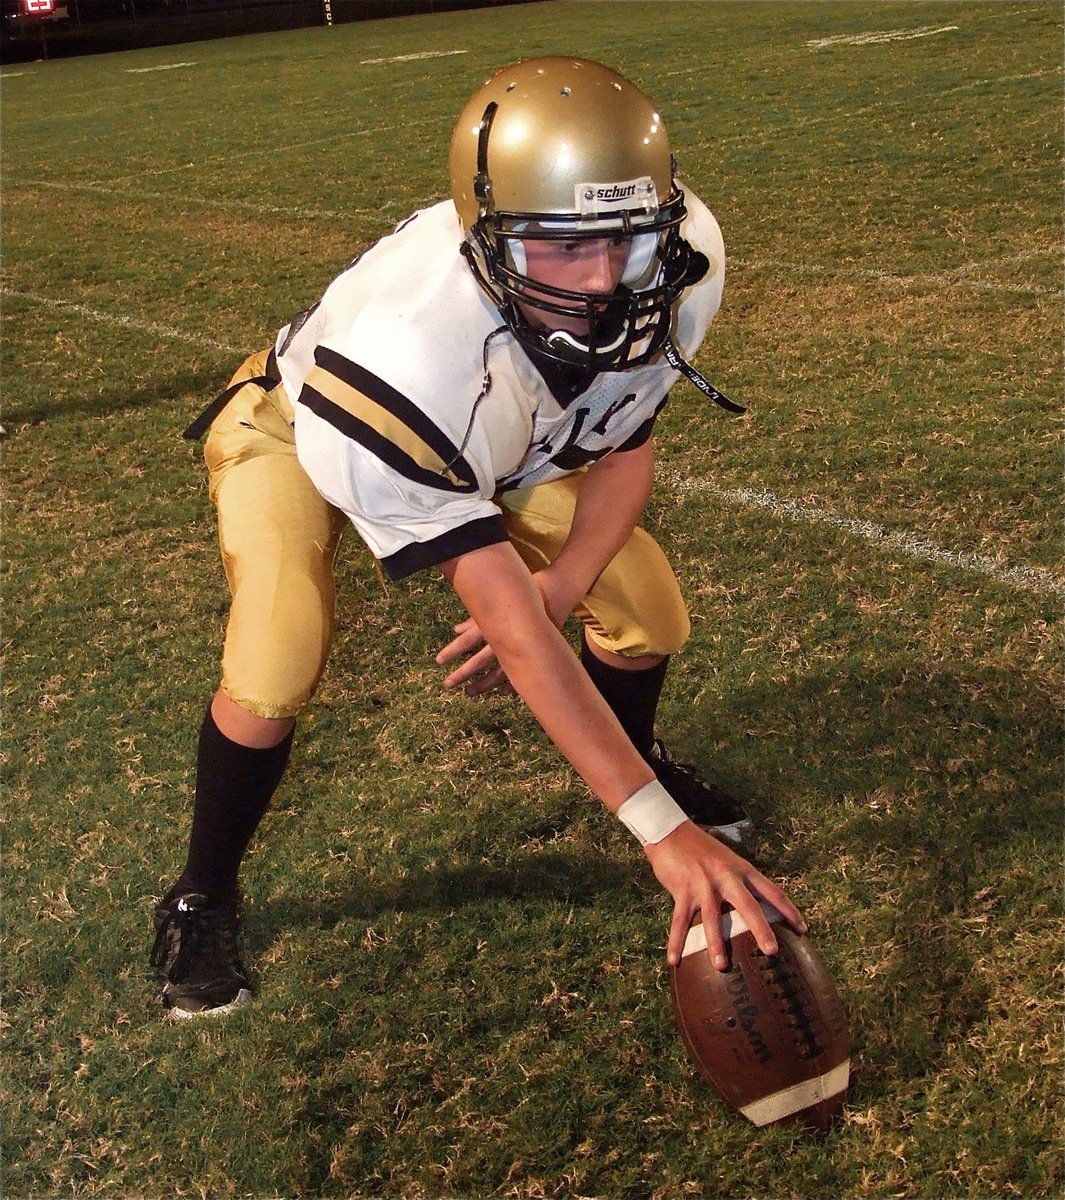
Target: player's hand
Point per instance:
(561, 593)
(701, 874)
(480, 672)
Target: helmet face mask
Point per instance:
(624, 327)
(561, 150)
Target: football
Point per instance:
(768, 1034)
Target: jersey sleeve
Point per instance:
(408, 489)
(643, 434)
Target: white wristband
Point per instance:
(651, 814)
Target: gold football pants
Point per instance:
(279, 538)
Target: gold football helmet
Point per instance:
(562, 148)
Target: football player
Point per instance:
(476, 394)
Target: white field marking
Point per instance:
(909, 101)
(123, 322)
(1033, 579)
(167, 67)
(747, 136)
(181, 198)
(12, 75)
(1010, 259)
(949, 278)
(875, 38)
(946, 279)
(373, 62)
(952, 278)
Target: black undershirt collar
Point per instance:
(564, 381)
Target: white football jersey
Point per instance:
(415, 407)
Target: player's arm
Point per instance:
(611, 499)
(502, 598)
(610, 502)
(699, 872)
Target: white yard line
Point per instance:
(953, 277)
(402, 58)
(166, 67)
(123, 322)
(186, 198)
(876, 37)
(907, 544)
(747, 135)
(914, 101)
(270, 150)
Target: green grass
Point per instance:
(462, 985)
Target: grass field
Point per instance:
(462, 987)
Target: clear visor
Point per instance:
(641, 268)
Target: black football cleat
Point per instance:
(196, 957)
(703, 802)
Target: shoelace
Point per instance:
(188, 928)
(686, 774)
(193, 929)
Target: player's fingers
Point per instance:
(476, 664)
(747, 906)
(715, 939)
(678, 932)
(486, 683)
(467, 637)
(776, 896)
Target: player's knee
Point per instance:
(274, 682)
(636, 605)
(262, 700)
(277, 642)
(657, 632)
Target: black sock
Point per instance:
(632, 696)
(234, 785)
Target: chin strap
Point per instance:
(673, 357)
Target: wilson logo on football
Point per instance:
(746, 1014)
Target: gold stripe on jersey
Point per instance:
(388, 424)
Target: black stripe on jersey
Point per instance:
(474, 535)
(416, 459)
(398, 405)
